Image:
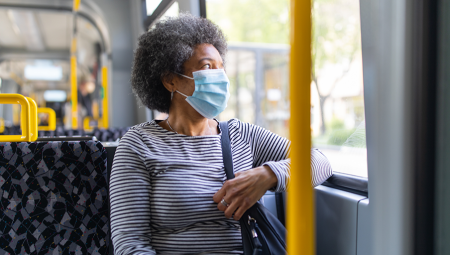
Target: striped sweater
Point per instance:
(162, 184)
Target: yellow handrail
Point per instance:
(300, 206)
(25, 113)
(16, 114)
(2, 125)
(33, 119)
(87, 124)
(51, 119)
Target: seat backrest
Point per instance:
(54, 198)
(110, 151)
(276, 203)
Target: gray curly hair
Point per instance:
(164, 49)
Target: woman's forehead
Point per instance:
(206, 51)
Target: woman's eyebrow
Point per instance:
(210, 59)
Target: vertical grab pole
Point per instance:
(105, 116)
(74, 91)
(300, 206)
(2, 125)
(73, 67)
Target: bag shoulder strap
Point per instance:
(226, 150)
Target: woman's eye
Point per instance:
(207, 66)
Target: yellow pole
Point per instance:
(87, 124)
(74, 91)
(76, 5)
(73, 67)
(300, 218)
(95, 110)
(105, 117)
(2, 125)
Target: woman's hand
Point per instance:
(244, 190)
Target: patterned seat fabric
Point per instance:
(53, 198)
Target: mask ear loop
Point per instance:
(171, 96)
(185, 76)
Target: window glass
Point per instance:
(337, 103)
(173, 11)
(258, 68)
(275, 101)
(151, 6)
(258, 60)
(240, 69)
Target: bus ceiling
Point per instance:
(18, 10)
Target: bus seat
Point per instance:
(110, 148)
(276, 203)
(54, 198)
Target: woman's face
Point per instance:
(205, 57)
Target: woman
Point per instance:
(168, 188)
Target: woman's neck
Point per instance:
(189, 122)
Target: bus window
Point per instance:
(257, 64)
(151, 6)
(258, 60)
(240, 69)
(173, 11)
(337, 103)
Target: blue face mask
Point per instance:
(211, 92)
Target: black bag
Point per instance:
(262, 233)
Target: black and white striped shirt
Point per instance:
(162, 184)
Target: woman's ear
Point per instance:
(167, 80)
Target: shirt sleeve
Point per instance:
(130, 192)
(320, 167)
(273, 150)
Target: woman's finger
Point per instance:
(240, 211)
(220, 193)
(221, 206)
(231, 209)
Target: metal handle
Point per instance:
(2, 125)
(33, 119)
(87, 124)
(28, 115)
(51, 119)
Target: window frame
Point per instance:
(149, 21)
(350, 183)
(157, 13)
